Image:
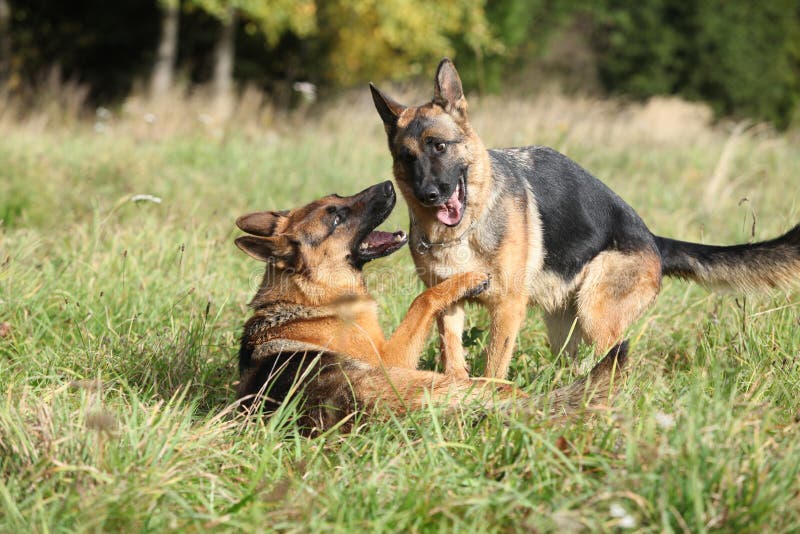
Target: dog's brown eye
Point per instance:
(339, 217)
(439, 147)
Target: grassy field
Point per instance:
(118, 354)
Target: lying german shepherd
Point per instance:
(315, 331)
(546, 230)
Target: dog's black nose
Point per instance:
(431, 194)
(387, 188)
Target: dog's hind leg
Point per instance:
(400, 390)
(617, 289)
(343, 389)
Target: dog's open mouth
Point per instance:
(452, 211)
(378, 244)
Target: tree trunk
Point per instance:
(5, 42)
(224, 57)
(164, 68)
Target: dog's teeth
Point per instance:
(364, 246)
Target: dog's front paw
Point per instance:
(475, 284)
(457, 287)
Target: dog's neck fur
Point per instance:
(298, 287)
(343, 322)
(274, 315)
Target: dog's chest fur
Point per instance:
(507, 242)
(543, 220)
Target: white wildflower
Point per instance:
(617, 510)
(146, 198)
(307, 89)
(626, 520)
(665, 421)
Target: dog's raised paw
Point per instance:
(479, 287)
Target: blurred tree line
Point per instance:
(740, 56)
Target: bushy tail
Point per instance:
(593, 389)
(767, 264)
(590, 390)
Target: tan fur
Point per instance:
(617, 288)
(782, 269)
(332, 325)
(501, 233)
(451, 324)
(353, 327)
(517, 264)
(516, 268)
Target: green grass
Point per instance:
(116, 377)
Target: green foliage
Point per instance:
(272, 18)
(748, 58)
(742, 57)
(521, 30)
(355, 40)
(395, 39)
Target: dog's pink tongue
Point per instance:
(450, 212)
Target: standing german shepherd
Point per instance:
(545, 229)
(315, 330)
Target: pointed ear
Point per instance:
(263, 223)
(448, 91)
(388, 109)
(276, 250)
